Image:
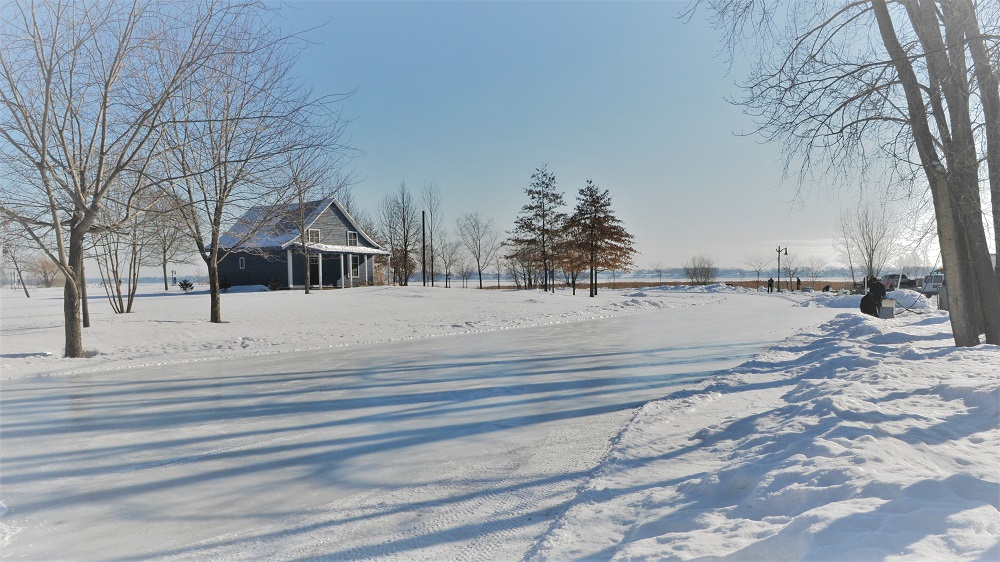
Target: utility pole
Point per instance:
(423, 246)
(780, 249)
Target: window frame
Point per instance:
(310, 239)
(243, 262)
(355, 269)
(355, 233)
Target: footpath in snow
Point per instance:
(863, 439)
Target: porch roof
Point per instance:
(338, 249)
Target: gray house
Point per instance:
(340, 253)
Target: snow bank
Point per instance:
(864, 439)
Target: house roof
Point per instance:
(262, 227)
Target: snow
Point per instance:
(402, 423)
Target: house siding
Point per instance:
(267, 265)
(333, 226)
(260, 269)
(273, 268)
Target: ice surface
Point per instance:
(416, 423)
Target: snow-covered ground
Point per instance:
(420, 423)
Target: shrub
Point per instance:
(274, 285)
(701, 270)
(186, 285)
(224, 285)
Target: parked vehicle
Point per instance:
(894, 281)
(932, 284)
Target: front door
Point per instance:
(314, 271)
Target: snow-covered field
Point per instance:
(432, 424)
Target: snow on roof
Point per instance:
(340, 249)
(262, 227)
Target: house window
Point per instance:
(352, 238)
(243, 263)
(313, 235)
(355, 267)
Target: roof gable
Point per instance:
(281, 230)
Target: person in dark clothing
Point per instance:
(798, 284)
(868, 305)
(877, 290)
(770, 284)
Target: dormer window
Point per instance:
(313, 236)
(352, 238)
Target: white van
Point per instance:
(932, 284)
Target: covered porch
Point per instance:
(332, 267)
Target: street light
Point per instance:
(780, 249)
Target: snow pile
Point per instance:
(864, 439)
(905, 300)
(7, 532)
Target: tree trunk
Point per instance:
(963, 178)
(950, 235)
(989, 95)
(166, 286)
(308, 272)
(135, 260)
(215, 298)
(23, 286)
(20, 277)
(71, 297)
(84, 304)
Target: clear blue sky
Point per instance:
(472, 96)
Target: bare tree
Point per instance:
(168, 240)
(845, 249)
(915, 80)
(232, 134)
(499, 264)
(120, 251)
(481, 239)
(45, 272)
(658, 270)
(515, 270)
(757, 263)
(13, 245)
(450, 252)
(466, 270)
(83, 92)
(398, 221)
(791, 267)
(865, 237)
(316, 175)
(815, 266)
(431, 198)
(701, 270)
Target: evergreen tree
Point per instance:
(599, 234)
(536, 230)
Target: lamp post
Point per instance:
(780, 249)
(173, 275)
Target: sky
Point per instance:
(473, 96)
